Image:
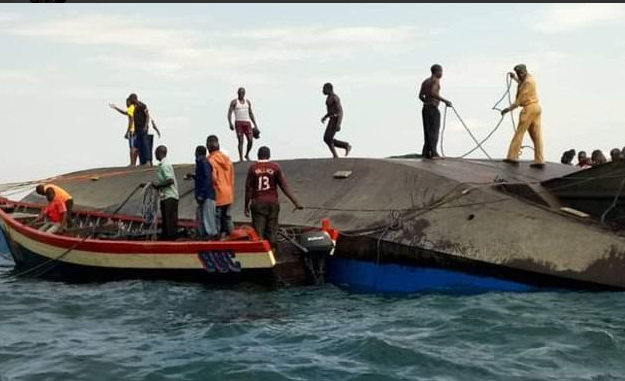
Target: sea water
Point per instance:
(156, 330)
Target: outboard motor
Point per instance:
(316, 245)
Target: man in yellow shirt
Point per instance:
(130, 132)
(529, 119)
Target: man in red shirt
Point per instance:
(261, 190)
(63, 196)
(55, 214)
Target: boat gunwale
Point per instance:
(124, 246)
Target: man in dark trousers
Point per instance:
(143, 140)
(261, 190)
(204, 195)
(168, 193)
(430, 96)
(223, 182)
(335, 116)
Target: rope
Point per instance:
(16, 190)
(614, 202)
(85, 176)
(395, 224)
(509, 83)
(443, 131)
(409, 213)
(479, 144)
(410, 209)
(443, 203)
(150, 207)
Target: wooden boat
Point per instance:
(108, 247)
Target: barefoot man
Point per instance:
(243, 119)
(335, 116)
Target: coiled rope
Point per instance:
(479, 144)
(150, 208)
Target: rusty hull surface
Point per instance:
(472, 215)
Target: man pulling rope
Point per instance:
(529, 119)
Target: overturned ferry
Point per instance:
(403, 224)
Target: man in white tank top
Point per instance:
(243, 119)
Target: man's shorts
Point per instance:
(132, 140)
(333, 124)
(243, 128)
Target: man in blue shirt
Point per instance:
(204, 195)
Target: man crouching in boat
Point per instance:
(55, 214)
(62, 196)
(168, 192)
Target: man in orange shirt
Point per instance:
(55, 213)
(223, 182)
(63, 197)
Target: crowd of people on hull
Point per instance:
(214, 171)
(596, 158)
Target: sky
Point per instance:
(62, 64)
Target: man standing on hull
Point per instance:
(335, 114)
(529, 119)
(223, 183)
(261, 195)
(430, 96)
(243, 119)
(143, 141)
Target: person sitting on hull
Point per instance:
(616, 155)
(63, 196)
(55, 214)
(529, 119)
(597, 157)
(568, 156)
(167, 188)
(261, 195)
(581, 158)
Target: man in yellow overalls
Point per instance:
(529, 120)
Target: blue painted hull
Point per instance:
(366, 276)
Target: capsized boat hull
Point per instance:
(467, 216)
(363, 264)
